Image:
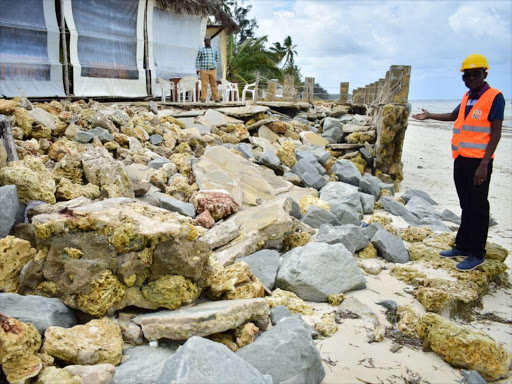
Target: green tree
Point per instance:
(239, 13)
(290, 53)
(279, 50)
(248, 58)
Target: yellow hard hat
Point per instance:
(474, 61)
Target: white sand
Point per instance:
(428, 166)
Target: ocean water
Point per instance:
(447, 106)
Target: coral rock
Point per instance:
(312, 201)
(14, 254)
(66, 190)
(286, 153)
(32, 179)
(246, 334)
(370, 252)
(289, 300)
(97, 342)
(171, 292)
(19, 345)
(464, 348)
(219, 203)
(235, 282)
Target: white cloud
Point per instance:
(357, 41)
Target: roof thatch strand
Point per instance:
(200, 7)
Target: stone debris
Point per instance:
(220, 217)
(201, 320)
(203, 361)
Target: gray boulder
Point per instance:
(313, 180)
(144, 364)
(333, 135)
(102, 134)
(347, 172)
(330, 123)
(472, 377)
(370, 184)
(42, 312)
(84, 137)
(269, 159)
(421, 208)
(351, 236)
(317, 270)
(246, 150)
(342, 193)
(367, 202)
(366, 154)
(416, 192)
(158, 163)
(287, 353)
(279, 313)
(344, 213)
(175, 205)
(397, 209)
(156, 139)
(295, 211)
(308, 155)
(207, 362)
(372, 229)
(390, 247)
(302, 166)
(264, 264)
(9, 206)
(315, 217)
(321, 154)
(448, 215)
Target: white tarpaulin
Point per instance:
(107, 47)
(173, 42)
(29, 49)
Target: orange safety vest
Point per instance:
(472, 134)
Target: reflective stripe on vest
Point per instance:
(470, 128)
(472, 134)
(463, 144)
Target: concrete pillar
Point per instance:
(400, 77)
(373, 92)
(380, 87)
(367, 94)
(309, 89)
(344, 92)
(271, 90)
(289, 86)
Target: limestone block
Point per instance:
(97, 342)
(235, 281)
(202, 320)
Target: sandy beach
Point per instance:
(428, 167)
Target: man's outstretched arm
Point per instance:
(425, 115)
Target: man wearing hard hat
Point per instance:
(476, 133)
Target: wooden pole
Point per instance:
(64, 48)
(8, 139)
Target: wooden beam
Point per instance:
(8, 139)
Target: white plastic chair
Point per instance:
(167, 88)
(250, 88)
(230, 90)
(188, 84)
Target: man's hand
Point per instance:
(197, 72)
(421, 116)
(480, 174)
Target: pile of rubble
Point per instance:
(211, 230)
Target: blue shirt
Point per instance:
(498, 105)
(207, 58)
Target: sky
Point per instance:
(357, 41)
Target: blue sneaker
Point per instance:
(454, 252)
(470, 263)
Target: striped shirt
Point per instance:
(207, 58)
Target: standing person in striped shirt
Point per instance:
(206, 67)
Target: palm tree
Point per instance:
(248, 58)
(279, 50)
(290, 51)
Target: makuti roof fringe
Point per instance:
(201, 7)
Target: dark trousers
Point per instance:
(472, 234)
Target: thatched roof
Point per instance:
(201, 7)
